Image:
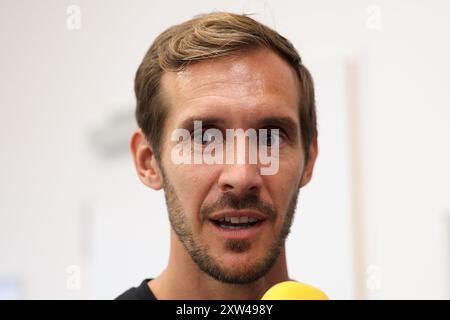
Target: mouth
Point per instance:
(237, 224)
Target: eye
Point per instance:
(272, 137)
(206, 137)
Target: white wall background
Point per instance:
(372, 224)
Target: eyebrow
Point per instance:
(206, 121)
(286, 123)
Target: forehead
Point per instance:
(250, 84)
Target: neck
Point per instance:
(182, 279)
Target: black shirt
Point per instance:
(142, 292)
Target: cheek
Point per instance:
(192, 184)
(284, 185)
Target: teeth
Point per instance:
(243, 219)
(234, 219)
(238, 220)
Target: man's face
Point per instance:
(251, 90)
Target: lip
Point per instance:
(238, 234)
(238, 213)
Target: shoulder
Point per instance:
(142, 292)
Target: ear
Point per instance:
(309, 167)
(145, 162)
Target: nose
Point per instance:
(240, 179)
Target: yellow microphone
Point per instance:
(294, 290)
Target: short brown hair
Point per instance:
(210, 36)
